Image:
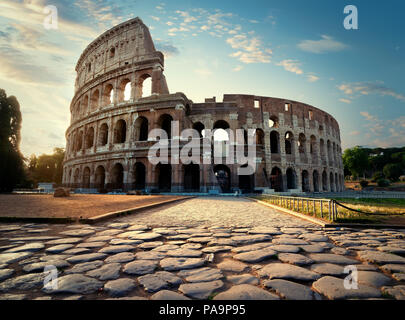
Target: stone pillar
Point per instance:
(156, 80)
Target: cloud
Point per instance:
(249, 50)
(203, 72)
(325, 44)
(312, 78)
(237, 68)
(367, 88)
(368, 116)
(167, 48)
(354, 133)
(291, 66)
(348, 101)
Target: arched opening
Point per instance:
(164, 173)
(329, 147)
(322, 148)
(100, 178)
(147, 86)
(120, 131)
(165, 123)
(220, 128)
(259, 137)
(94, 100)
(332, 189)
(198, 126)
(291, 180)
(86, 178)
(223, 175)
(273, 122)
(103, 135)
(79, 141)
(108, 94)
(324, 181)
(90, 138)
(301, 143)
(85, 104)
(315, 178)
(191, 177)
(246, 182)
(141, 129)
(336, 183)
(140, 176)
(78, 111)
(289, 143)
(124, 90)
(313, 148)
(276, 179)
(274, 142)
(112, 53)
(76, 177)
(305, 181)
(117, 176)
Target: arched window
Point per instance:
(140, 176)
(165, 123)
(313, 148)
(100, 177)
(94, 100)
(103, 135)
(192, 177)
(147, 86)
(305, 181)
(259, 137)
(324, 181)
(223, 175)
(198, 126)
(291, 180)
(120, 131)
(108, 94)
(274, 142)
(86, 178)
(124, 90)
(220, 128)
(118, 176)
(112, 53)
(273, 122)
(301, 143)
(90, 138)
(164, 175)
(289, 143)
(79, 141)
(141, 129)
(276, 179)
(315, 179)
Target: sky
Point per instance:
(297, 50)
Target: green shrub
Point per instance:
(392, 171)
(363, 184)
(383, 183)
(377, 176)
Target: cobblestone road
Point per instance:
(204, 248)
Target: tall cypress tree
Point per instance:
(11, 159)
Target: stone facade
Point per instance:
(298, 146)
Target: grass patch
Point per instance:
(384, 202)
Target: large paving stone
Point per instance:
(289, 241)
(150, 255)
(147, 236)
(118, 225)
(30, 247)
(116, 249)
(380, 257)
(248, 239)
(314, 237)
(108, 232)
(373, 279)
(328, 269)
(6, 273)
(287, 271)
(265, 230)
(333, 288)
(10, 296)
(173, 264)
(393, 267)
(64, 241)
(200, 239)
(232, 266)
(25, 282)
(246, 292)
(119, 287)
(91, 245)
(331, 258)
(398, 292)
(166, 247)
(202, 290)
(140, 267)
(255, 256)
(158, 281)
(59, 248)
(243, 279)
(168, 295)
(201, 274)
(290, 290)
(78, 232)
(285, 248)
(99, 239)
(84, 267)
(125, 242)
(7, 258)
(76, 251)
(138, 227)
(216, 249)
(251, 247)
(86, 257)
(75, 283)
(109, 271)
(312, 248)
(295, 258)
(39, 266)
(150, 245)
(120, 257)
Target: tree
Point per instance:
(46, 167)
(393, 171)
(11, 159)
(356, 160)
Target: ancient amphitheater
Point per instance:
(297, 145)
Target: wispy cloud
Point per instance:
(312, 78)
(291, 66)
(249, 50)
(356, 89)
(323, 45)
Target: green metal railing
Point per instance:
(319, 208)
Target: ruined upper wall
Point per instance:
(126, 45)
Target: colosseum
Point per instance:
(298, 146)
